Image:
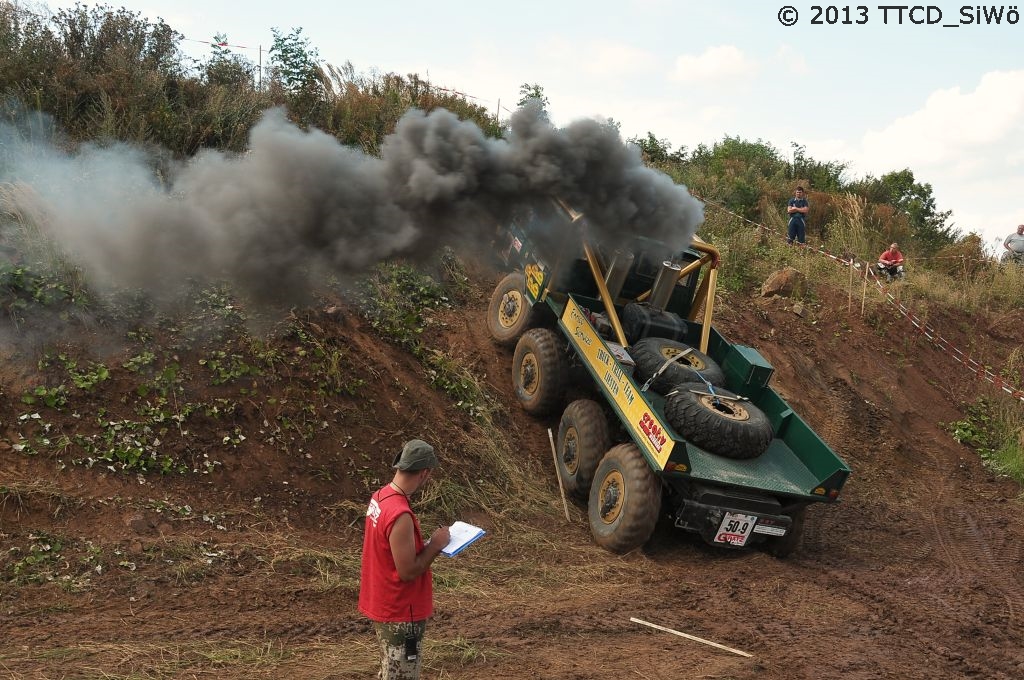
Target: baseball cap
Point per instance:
(415, 455)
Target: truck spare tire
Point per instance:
(720, 423)
(650, 354)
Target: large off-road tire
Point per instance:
(510, 313)
(785, 546)
(650, 354)
(539, 370)
(734, 429)
(625, 500)
(582, 440)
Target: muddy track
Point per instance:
(916, 574)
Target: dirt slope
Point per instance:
(252, 570)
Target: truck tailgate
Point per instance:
(777, 470)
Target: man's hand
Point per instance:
(441, 536)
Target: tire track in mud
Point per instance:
(965, 541)
(944, 577)
(1006, 562)
(837, 424)
(963, 604)
(968, 544)
(901, 616)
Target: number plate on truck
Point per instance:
(735, 528)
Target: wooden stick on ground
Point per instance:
(691, 637)
(561, 487)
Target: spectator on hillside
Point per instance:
(797, 211)
(890, 263)
(1014, 245)
(396, 586)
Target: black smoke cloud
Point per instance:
(299, 205)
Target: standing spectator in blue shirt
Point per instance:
(797, 211)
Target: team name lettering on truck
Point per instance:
(653, 432)
(577, 330)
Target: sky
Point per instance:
(939, 89)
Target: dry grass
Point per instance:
(248, 658)
(23, 223)
(196, 658)
(19, 496)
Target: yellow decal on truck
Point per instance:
(637, 414)
(534, 281)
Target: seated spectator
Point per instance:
(890, 263)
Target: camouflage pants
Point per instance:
(391, 640)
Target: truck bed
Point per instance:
(797, 463)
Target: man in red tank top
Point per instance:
(396, 589)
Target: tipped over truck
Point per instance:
(673, 419)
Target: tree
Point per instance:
(295, 63)
(535, 92)
(296, 67)
(738, 173)
(733, 156)
(654, 150)
(821, 176)
(915, 200)
(225, 67)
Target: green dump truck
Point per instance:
(673, 417)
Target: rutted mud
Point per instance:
(916, 575)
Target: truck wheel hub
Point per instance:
(694, 362)
(511, 308)
(570, 457)
(529, 374)
(733, 410)
(610, 498)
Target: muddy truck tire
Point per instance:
(510, 313)
(540, 371)
(625, 500)
(583, 440)
(786, 545)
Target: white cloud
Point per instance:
(792, 60)
(615, 59)
(969, 145)
(724, 62)
(596, 58)
(954, 127)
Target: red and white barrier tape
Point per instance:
(926, 331)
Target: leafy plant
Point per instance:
(396, 299)
(38, 562)
(449, 376)
(51, 397)
(127, 446)
(996, 431)
(227, 367)
(139, 361)
(87, 378)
